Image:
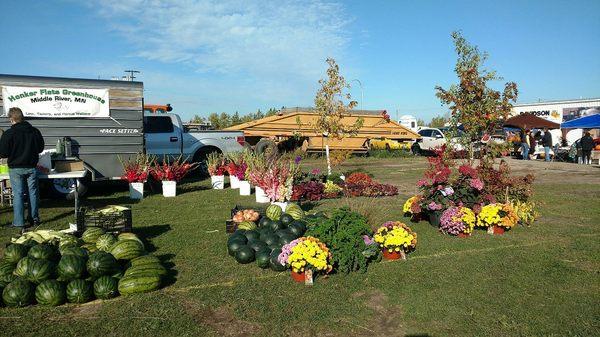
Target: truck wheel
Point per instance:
(263, 145)
(65, 188)
(200, 158)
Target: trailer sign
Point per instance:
(57, 102)
(119, 131)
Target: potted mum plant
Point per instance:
(458, 220)
(395, 240)
(169, 173)
(497, 218)
(135, 172)
(215, 164)
(306, 256)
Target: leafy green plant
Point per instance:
(343, 234)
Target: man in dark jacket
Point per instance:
(587, 144)
(22, 144)
(547, 142)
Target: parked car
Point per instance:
(432, 138)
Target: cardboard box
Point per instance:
(68, 165)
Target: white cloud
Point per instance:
(264, 40)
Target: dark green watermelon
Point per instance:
(18, 293)
(237, 237)
(15, 252)
(252, 235)
(270, 239)
(50, 292)
(287, 239)
(79, 291)
(105, 287)
(297, 228)
(263, 222)
(265, 232)
(286, 219)
(74, 250)
(245, 254)
(70, 267)
(283, 232)
(257, 245)
(101, 263)
(263, 258)
(233, 247)
(43, 251)
(276, 245)
(6, 268)
(274, 263)
(39, 270)
(23, 266)
(276, 225)
(6, 279)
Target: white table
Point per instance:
(53, 175)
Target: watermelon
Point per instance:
(149, 269)
(50, 292)
(39, 270)
(257, 245)
(43, 251)
(70, 267)
(283, 232)
(6, 279)
(274, 212)
(106, 287)
(118, 274)
(74, 250)
(264, 222)
(6, 268)
(286, 219)
(144, 260)
(138, 284)
(90, 247)
(245, 254)
(294, 211)
(276, 225)
(247, 225)
(274, 263)
(15, 252)
(105, 242)
(18, 293)
(101, 263)
(92, 234)
(241, 238)
(22, 266)
(252, 235)
(284, 240)
(263, 258)
(79, 291)
(127, 249)
(68, 239)
(297, 229)
(265, 233)
(234, 246)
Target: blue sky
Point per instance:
(233, 55)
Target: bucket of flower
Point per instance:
(497, 218)
(273, 176)
(135, 172)
(306, 257)
(170, 173)
(215, 164)
(395, 240)
(458, 221)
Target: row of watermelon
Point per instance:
(59, 271)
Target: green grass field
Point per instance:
(538, 281)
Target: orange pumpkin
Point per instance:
(597, 147)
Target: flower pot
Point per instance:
(234, 182)
(218, 182)
(415, 218)
(434, 218)
(298, 277)
(464, 235)
(245, 188)
(283, 205)
(136, 191)
(261, 197)
(394, 255)
(498, 230)
(169, 188)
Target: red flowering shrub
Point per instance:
(359, 178)
(312, 190)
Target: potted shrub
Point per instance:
(412, 208)
(306, 257)
(135, 172)
(458, 220)
(215, 163)
(395, 240)
(171, 173)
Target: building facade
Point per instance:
(559, 111)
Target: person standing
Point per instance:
(587, 144)
(524, 143)
(547, 142)
(22, 144)
(532, 143)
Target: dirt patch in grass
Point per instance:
(386, 321)
(222, 320)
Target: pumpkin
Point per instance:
(597, 148)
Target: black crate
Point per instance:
(117, 222)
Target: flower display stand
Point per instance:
(218, 182)
(169, 188)
(234, 182)
(261, 196)
(245, 188)
(136, 191)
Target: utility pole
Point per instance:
(131, 72)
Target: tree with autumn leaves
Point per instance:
(475, 106)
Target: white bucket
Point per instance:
(234, 182)
(245, 187)
(218, 182)
(283, 205)
(136, 191)
(169, 188)
(261, 197)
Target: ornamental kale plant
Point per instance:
(343, 233)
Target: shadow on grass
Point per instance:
(171, 276)
(150, 232)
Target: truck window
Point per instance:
(436, 133)
(158, 124)
(425, 133)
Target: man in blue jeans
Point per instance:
(547, 142)
(22, 144)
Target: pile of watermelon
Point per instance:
(261, 242)
(68, 269)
